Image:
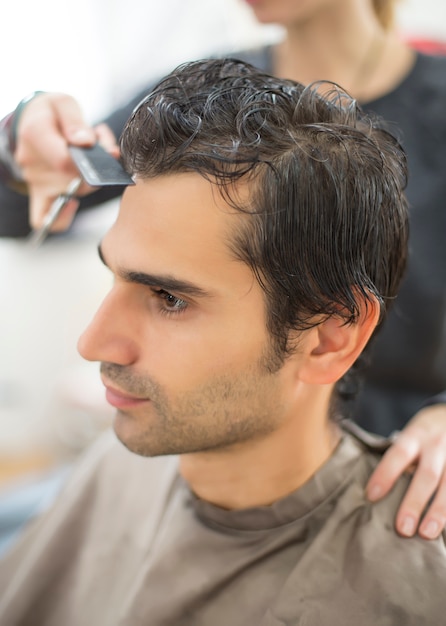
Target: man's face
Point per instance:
(186, 357)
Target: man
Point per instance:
(353, 43)
(252, 260)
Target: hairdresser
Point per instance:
(354, 43)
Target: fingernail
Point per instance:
(407, 527)
(81, 136)
(431, 530)
(374, 493)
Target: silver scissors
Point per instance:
(38, 236)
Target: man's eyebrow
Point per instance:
(166, 282)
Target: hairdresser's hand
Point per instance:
(47, 124)
(423, 443)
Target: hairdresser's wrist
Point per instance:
(10, 172)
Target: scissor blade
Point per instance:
(38, 236)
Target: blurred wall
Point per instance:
(100, 50)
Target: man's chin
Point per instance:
(136, 438)
(129, 433)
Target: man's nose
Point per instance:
(107, 337)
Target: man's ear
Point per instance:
(333, 346)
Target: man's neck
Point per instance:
(258, 473)
(346, 45)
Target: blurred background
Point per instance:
(100, 51)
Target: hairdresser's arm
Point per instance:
(421, 443)
(44, 127)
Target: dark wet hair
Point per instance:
(327, 228)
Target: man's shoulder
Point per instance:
(357, 569)
(106, 473)
(378, 518)
(404, 573)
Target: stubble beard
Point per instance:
(222, 412)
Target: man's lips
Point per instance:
(121, 399)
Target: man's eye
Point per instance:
(171, 303)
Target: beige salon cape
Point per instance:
(128, 544)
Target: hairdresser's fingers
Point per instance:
(45, 128)
(434, 519)
(425, 482)
(41, 199)
(42, 195)
(107, 139)
(394, 463)
(66, 216)
(423, 442)
(46, 125)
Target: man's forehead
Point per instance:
(177, 225)
(183, 208)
